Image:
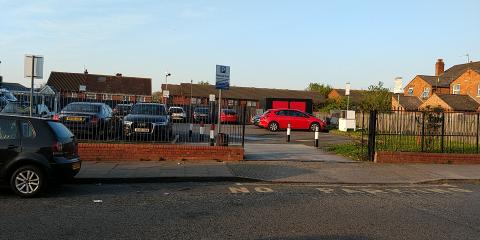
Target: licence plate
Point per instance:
(76, 166)
(142, 130)
(75, 119)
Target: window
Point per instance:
(456, 89)
(426, 92)
(478, 90)
(8, 129)
(282, 113)
(195, 100)
(251, 103)
(141, 99)
(107, 96)
(232, 102)
(410, 91)
(27, 130)
(74, 95)
(92, 96)
(60, 130)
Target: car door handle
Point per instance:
(11, 146)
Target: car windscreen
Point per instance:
(82, 107)
(201, 110)
(147, 109)
(60, 130)
(176, 110)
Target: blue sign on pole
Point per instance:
(222, 77)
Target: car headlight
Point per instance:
(127, 122)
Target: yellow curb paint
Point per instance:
(350, 190)
(459, 190)
(325, 190)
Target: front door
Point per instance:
(9, 140)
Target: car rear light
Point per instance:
(57, 147)
(56, 117)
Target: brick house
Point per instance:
(406, 103)
(101, 87)
(423, 86)
(451, 102)
(356, 96)
(468, 83)
(187, 93)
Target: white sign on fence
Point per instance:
(35, 63)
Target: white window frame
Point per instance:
(195, 100)
(141, 99)
(251, 103)
(74, 95)
(91, 96)
(478, 90)
(410, 91)
(126, 98)
(426, 92)
(107, 96)
(455, 90)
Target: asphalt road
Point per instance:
(226, 210)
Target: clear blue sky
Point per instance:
(275, 44)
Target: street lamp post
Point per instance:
(167, 74)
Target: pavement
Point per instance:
(290, 152)
(275, 172)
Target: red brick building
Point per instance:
(101, 87)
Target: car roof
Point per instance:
(153, 104)
(177, 107)
(91, 103)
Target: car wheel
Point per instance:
(273, 126)
(314, 126)
(28, 181)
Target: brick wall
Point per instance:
(155, 152)
(469, 82)
(435, 102)
(418, 85)
(416, 157)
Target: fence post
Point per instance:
(372, 129)
(288, 132)
(478, 129)
(316, 137)
(363, 130)
(442, 146)
(423, 130)
(243, 127)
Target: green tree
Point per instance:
(204, 83)
(377, 97)
(323, 89)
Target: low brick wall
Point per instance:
(417, 157)
(155, 152)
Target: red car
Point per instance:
(275, 119)
(228, 116)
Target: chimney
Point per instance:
(118, 74)
(439, 67)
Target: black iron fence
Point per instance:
(419, 131)
(94, 119)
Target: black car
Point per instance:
(89, 119)
(34, 152)
(148, 121)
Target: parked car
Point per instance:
(177, 113)
(121, 110)
(276, 119)
(148, 121)
(202, 114)
(34, 152)
(23, 108)
(87, 119)
(228, 116)
(256, 120)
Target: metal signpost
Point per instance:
(33, 68)
(222, 83)
(347, 93)
(398, 88)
